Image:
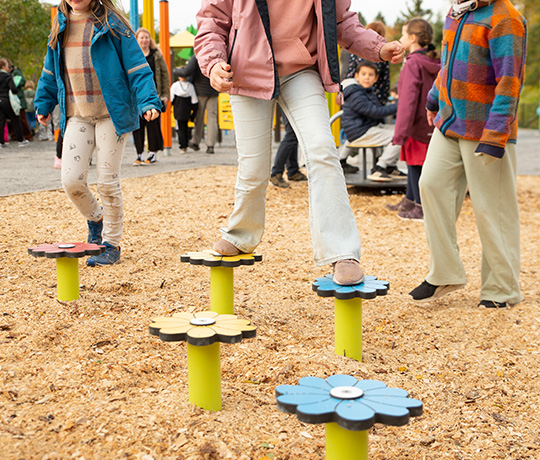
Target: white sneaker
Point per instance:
(24, 143)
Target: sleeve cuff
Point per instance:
(492, 150)
(432, 106)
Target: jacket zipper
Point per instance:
(450, 120)
(232, 47)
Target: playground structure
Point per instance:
(349, 408)
(67, 264)
(203, 333)
(221, 276)
(348, 310)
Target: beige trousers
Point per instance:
(451, 166)
(81, 137)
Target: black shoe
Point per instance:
(379, 174)
(427, 291)
(194, 146)
(492, 304)
(347, 168)
(210, 150)
(395, 173)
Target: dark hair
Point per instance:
(371, 65)
(424, 33)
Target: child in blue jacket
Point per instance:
(363, 121)
(97, 74)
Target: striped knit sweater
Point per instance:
(476, 93)
(83, 93)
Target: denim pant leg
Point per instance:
(253, 131)
(333, 227)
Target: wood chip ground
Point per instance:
(85, 380)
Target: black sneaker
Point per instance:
(379, 174)
(427, 291)
(210, 150)
(492, 304)
(347, 168)
(395, 173)
(151, 158)
(194, 146)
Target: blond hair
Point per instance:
(140, 30)
(101, 10)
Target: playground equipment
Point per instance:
(359, 179)
(349, 408)
(203, 333)
(348, 310)
(221, 275)
(67, 264)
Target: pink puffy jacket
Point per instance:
(238, 32)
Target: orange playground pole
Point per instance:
(54, 12)
(166, 51)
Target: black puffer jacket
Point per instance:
(361, 109)
(6, 84)
(201, 83)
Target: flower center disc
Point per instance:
(202, 321)
(66, 246)
(346, 393)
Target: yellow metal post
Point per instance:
(222, 290)
(342, 444)
(204, 376)
(67, 278)
(348, 328)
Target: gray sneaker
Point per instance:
(278, 181)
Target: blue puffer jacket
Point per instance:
(126, 80)
(361, 109)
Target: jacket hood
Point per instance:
(350, 85)
(431, 66)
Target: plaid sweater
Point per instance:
(476, 93)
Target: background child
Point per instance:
(262, 65)
(6, 110)
(363, 121)
(473, 105)
(185, 104)
(100, 101)
(151, 129)
(412, 130)
(29, 94)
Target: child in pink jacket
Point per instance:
(262, 52)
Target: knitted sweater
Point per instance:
(84, 97)
(476, 93)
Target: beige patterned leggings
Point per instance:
(81, 137)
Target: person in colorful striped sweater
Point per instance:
(473, 105)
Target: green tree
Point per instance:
(362, 19)
(415, 11)
(380, 18)
(23, 35)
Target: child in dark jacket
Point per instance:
(363, 121)
(185, 104)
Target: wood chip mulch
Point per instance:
(85, 379)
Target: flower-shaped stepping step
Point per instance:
(221, 275)
(203, 332)
(348, 310)
(349, 407)
(67, 264)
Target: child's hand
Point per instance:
(221, 77)
(431, 117)
(393, 52)
(43, 120)
(151, 115)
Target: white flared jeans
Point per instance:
(333, 228)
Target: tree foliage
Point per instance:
(416, 11)
(23, 35)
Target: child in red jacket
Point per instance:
(412, 130)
